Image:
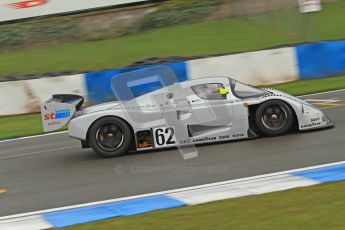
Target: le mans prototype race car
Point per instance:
(153, 110)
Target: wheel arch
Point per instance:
(132, 145)
(253, 107)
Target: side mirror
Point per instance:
(223, 91)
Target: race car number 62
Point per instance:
(164, 136)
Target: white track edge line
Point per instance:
(171, 191)
(326, 92)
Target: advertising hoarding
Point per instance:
(20, 9)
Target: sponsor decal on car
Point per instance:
(315, 119)
(311, 125)
(238, 135)
(224, 137)
(204, 139)
(314, 122)
(59, 114)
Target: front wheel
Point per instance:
(110, 137)
(274, 118)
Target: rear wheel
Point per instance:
(274, 118)
(110, 137)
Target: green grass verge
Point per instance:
(24, 125)
(317, 207)
(203, 38)
(21, 126)
(195, 39)
(311, 86)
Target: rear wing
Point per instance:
(59, 110)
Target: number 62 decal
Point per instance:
(164, 136)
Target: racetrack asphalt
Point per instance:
(53, 171)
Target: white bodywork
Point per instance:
(175, 115)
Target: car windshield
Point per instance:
(242, 91)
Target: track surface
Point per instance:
(53, 171)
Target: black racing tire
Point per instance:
(274, 118)
(110, 137)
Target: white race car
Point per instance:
(177, 114)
